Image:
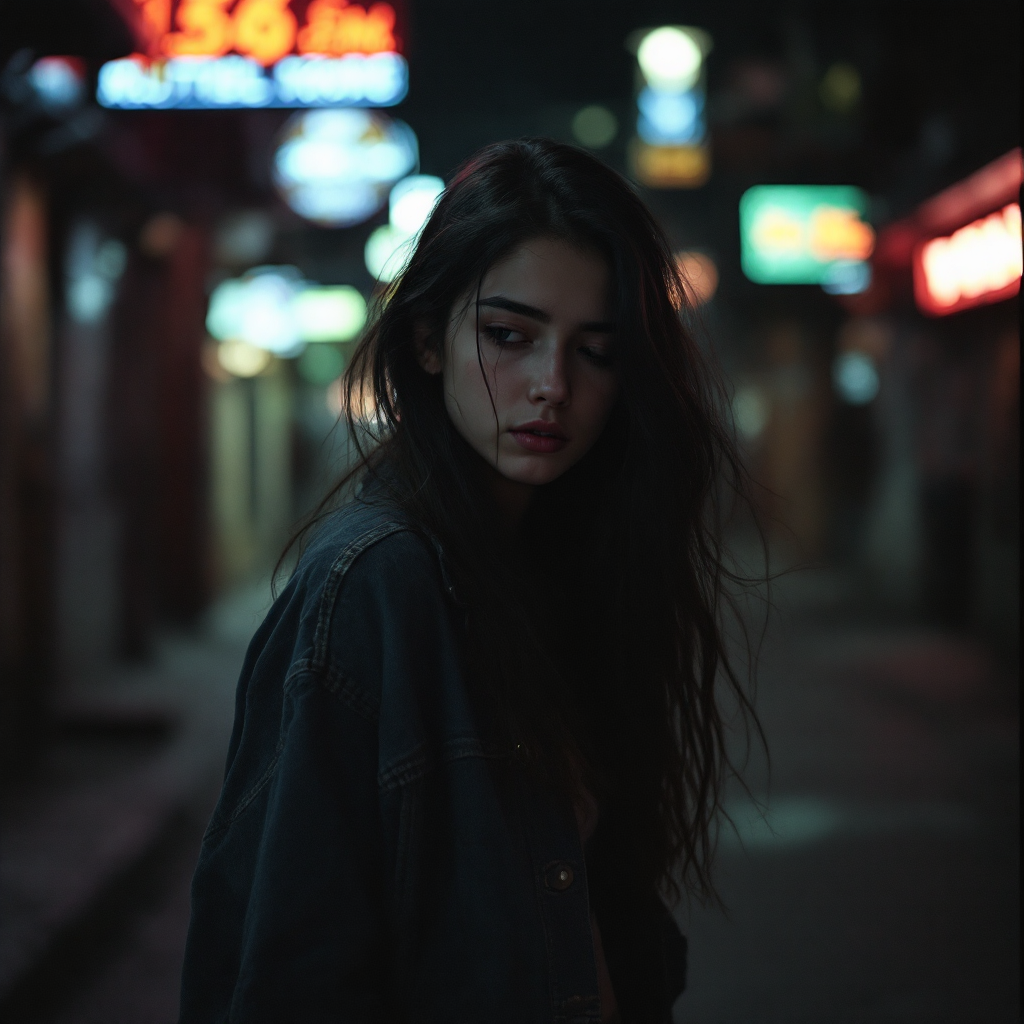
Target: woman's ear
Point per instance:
(427, 355)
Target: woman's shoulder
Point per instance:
(375, 606)
(370, 550)
(345, 533)
(364, 587)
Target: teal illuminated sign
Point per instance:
(805, 234)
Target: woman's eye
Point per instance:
(599, 357)
(503, 335)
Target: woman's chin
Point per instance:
(533, 470)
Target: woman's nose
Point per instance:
(551, 382)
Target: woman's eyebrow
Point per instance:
(500, 302)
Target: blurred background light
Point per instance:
(979, 264)
(410, 205)
(93, 267)
(256, 309)
(412, 201)
(240, 359)
(111, 259)
(669, 150)
(160, 234)
(699, 274)
(671, 118)
(873, 335)
(59, 82)
(750, 411)
(840, 88)
(595, 127)
(274, 309)
(336, 167)
(855, 377)
(670, 58)
(335, 313)
(847, 277)
(320, 364)
(386, 251)
(244, 238)
(675, 166)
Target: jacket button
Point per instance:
(558, 876)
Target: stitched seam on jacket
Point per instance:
(343, 687)
(413, 766)
(341, 566)
(337, 683)
(216, 827)
(404, 879)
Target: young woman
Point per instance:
(478, 736)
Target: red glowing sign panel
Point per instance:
(977, 265)
(267, 30)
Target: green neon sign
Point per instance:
(798, 234)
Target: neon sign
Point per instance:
(267, 30)
(806, 234)
(206, 54)
(977, 265)
(198, 83)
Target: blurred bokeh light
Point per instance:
(336, 167)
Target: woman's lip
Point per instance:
(542, 427)
(543, 443)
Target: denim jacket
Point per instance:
(374, 857)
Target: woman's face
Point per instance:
(547, 349)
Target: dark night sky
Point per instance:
(480, 70)
(940, 99)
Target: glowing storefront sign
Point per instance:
(207, 54)
(806, 234)
(195, 83)
(977, 265)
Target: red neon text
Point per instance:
(266, 30)
(977, 265)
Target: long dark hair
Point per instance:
(622, 697)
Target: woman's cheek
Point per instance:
(603, 397)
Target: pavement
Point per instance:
(872, 875)
(97, 847)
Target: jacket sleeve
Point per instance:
(288, 921)
(291, 898)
